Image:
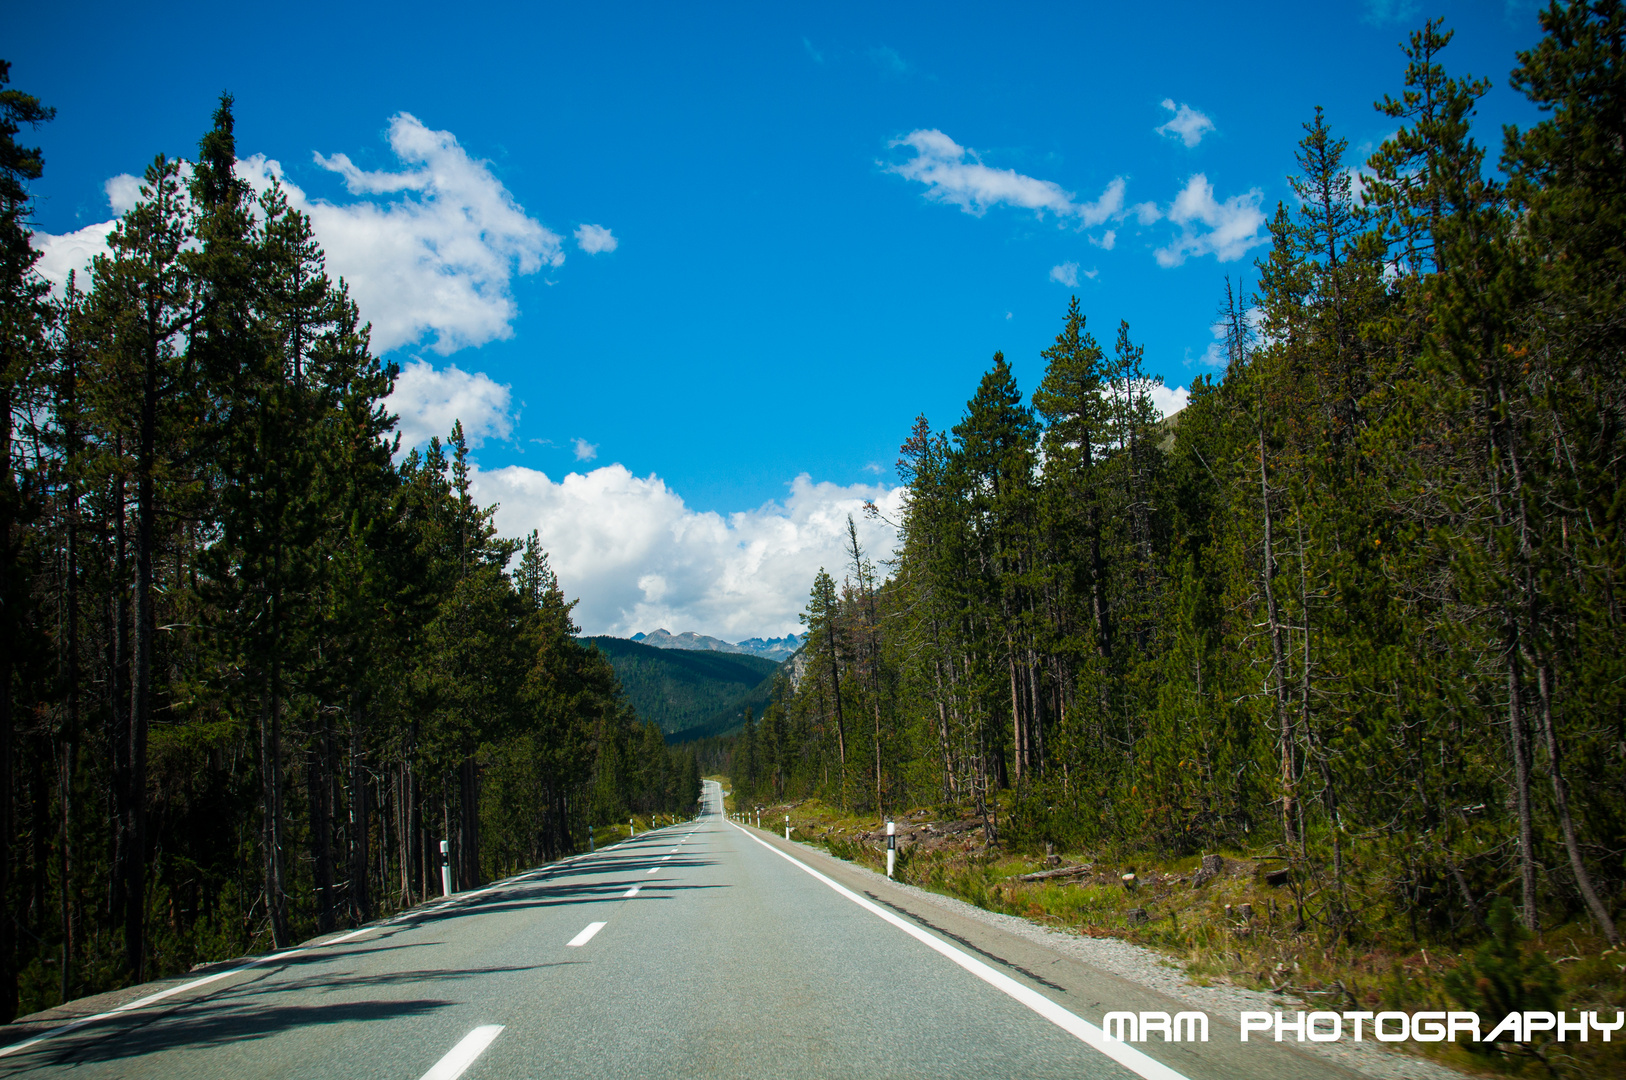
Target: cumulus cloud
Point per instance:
(955, 174)
(1106, 240)
(1065, 274)
(70, 253)
(594, 239)
(585, 451)
(1225, 230)
(428, 401)
(1167, 401)
(124, 191)
(429, 250)
(1188, 125)
(639, 558)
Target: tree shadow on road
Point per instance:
(205, 1024)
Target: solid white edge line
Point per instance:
(1074, 1025)
(351, 936)
(586, 935)
(74, 1025)
(461, 1056)
(148, 1000)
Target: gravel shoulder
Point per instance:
(1157, 972)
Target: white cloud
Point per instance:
(639, 558)
(1225, 230)
(437, 259)
(74, 252)
(1145, 212)
(585, 451)
(1188, 125)
(1169, 402)
(428, 401)
(70, 252)
(124, 191)
(1065, 274)
(1214, 356)
(1106, 241)
(440, 258)
(594, 239)
(955, 175)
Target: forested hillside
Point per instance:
(688, 691)
(1361, 612)
(255, 665)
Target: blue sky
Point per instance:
(824, 219)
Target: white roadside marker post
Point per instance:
(759, 817)
(445, 870)
(787, 826)
(891, 846)
(632, 828)
(589, 839)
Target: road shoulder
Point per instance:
(1091, 976)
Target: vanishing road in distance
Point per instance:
(700, 950)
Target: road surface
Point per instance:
(700, 950)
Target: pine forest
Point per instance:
(1356, 606)
(1353, 608)
(257, 665)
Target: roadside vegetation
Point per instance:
(1236, 917)
(1352, 617)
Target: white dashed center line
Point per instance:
(630, 893)
(461, 1056)
(652, 869)
(585, 936)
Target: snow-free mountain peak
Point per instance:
(768, 648)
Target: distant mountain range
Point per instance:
(689, 693)
(767, 648)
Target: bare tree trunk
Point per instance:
(943, 733)
(1583, 879)
(361, 907)
(468, 792)
(835, 693)
(321, 827)
(118, 704)
(1035, 712)
(142, 627)
(69, 762)
(1019, 748)
(1520, 745)
(273, 886)
(1278, 658)
(8, 970)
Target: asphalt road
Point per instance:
(700, 950)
